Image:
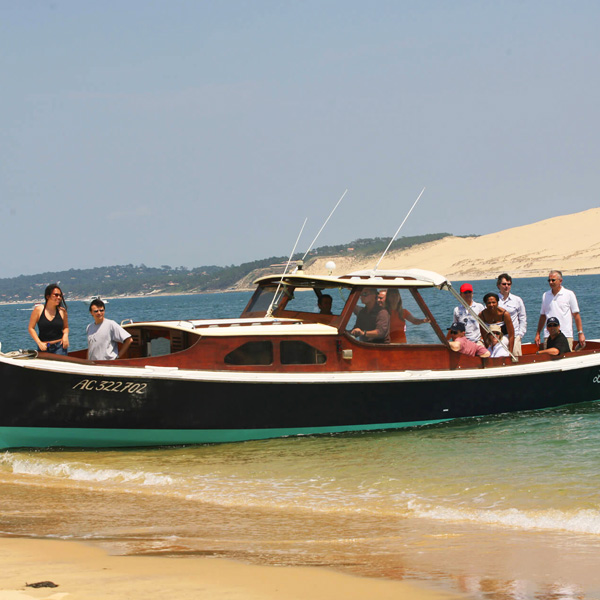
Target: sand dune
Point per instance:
(570, 243)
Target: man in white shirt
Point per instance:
(561, 303)
(462, 315)
(515, 307)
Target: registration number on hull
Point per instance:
(100, 385)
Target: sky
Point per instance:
(201, 132)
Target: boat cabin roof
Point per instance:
(407, 278)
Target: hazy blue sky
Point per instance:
(203, 132)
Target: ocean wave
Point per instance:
(316, 494)
(82, 472)
(572, 521)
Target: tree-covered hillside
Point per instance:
(131, 279)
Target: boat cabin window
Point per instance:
(300, 353)
(292, 301)
(251, 353)
(159, 347)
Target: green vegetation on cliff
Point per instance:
(131, 280)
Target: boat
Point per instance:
(281, 369)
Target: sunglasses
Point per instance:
(98, 311)
(550, 280)
(552, 325)
(454, 332)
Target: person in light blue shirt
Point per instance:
(462, 315)
(104, 335)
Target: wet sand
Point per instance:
(85, 572)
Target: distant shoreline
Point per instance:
(515, 273)
(128, 297)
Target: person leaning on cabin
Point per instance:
(492, 314)
(557, 344)
(52, 321)
(561, 303)
(460, 343)
(462, 315)
(104, 334)
(373, 321)
(392, 302)
(493, 342)
(516, 309)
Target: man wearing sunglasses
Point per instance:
(462, 315)
(104, 335)
(561, 303)
(556, 344)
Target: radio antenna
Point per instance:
(398, 230)
(323, 226)
(275, 295)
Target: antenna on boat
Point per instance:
(275, 295)
(323, 226)
(398, 230)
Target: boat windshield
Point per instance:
(298, 301)
(409, 323)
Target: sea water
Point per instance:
(499, 507)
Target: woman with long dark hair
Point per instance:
(52, 321)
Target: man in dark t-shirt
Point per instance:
(373, 321)
(557, 344)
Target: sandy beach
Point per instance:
(569, 243)
(84, 572)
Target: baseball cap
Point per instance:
(496, 328)
(457, 327)
(466, 287)
(552, 321)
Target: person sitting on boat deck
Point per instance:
(494, 342)
(557, 343)
(103, 335)
(373, 321)
(515, 307)
(460, 343)
(52, 321)
(324, 303)
(462, 315)
(392, 301)
(561, 303)
(492, 314)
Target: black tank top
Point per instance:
(50, 330)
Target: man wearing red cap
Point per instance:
(462, 315)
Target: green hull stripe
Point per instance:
(47, 437)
